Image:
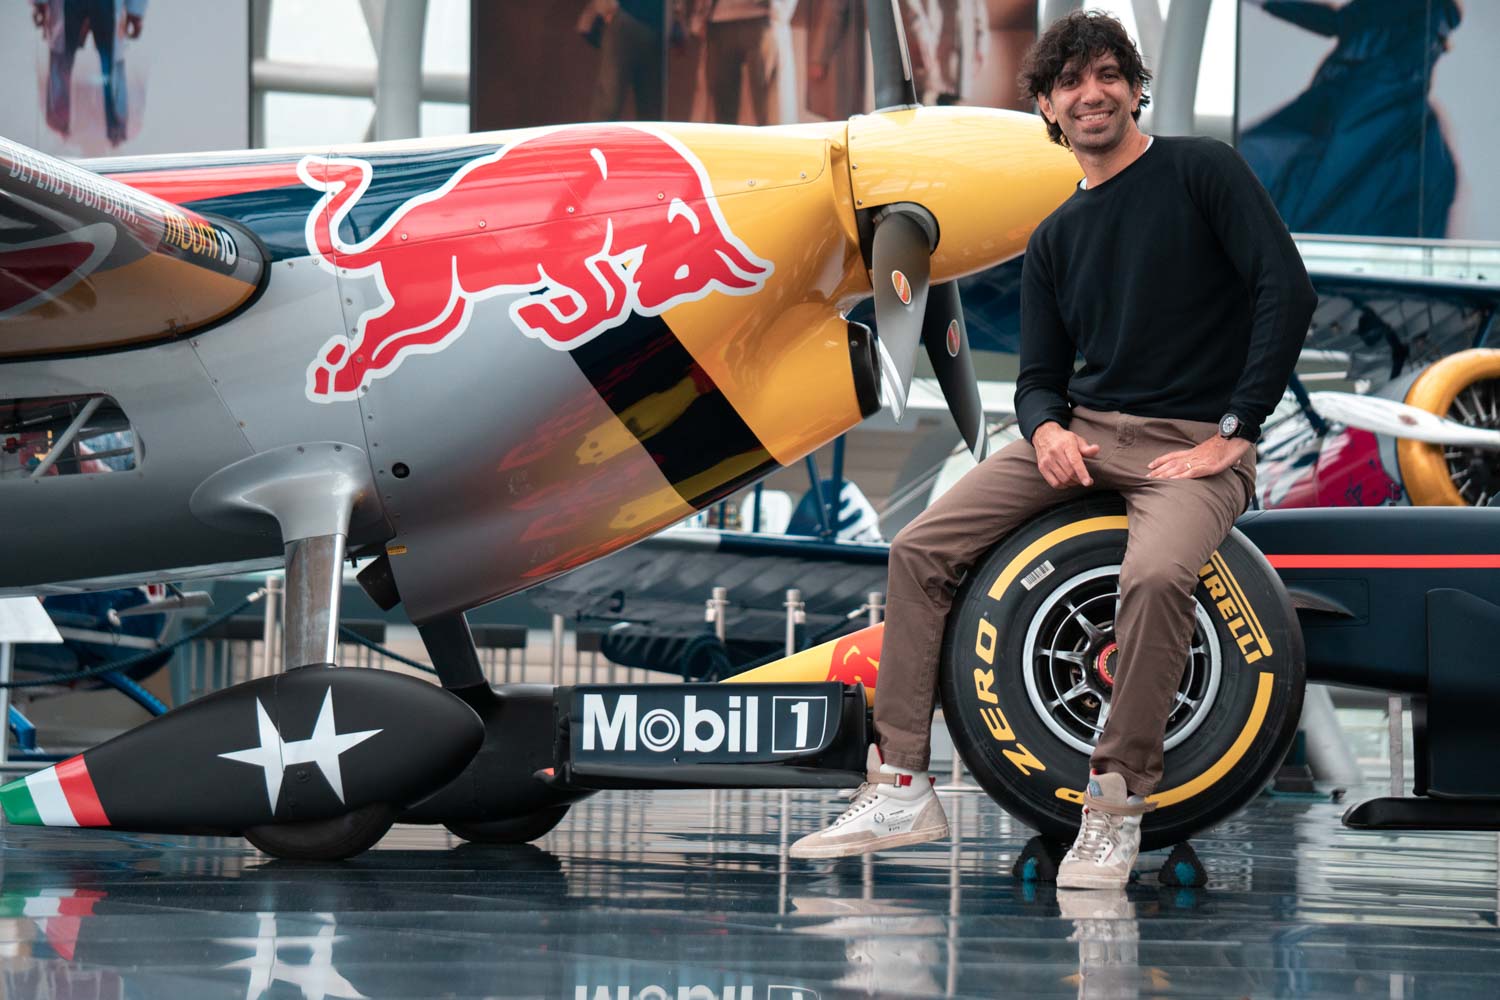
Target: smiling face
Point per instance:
(1092, 102)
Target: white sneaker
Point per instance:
(893, 808)
(1109, 838)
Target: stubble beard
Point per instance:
(1102, 143)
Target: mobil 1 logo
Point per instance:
(701, 724)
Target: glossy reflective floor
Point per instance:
(675, 894)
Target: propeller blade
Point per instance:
(1386, 416)
(947, 341)
(889, 56)
(900, 263)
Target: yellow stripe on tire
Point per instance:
(1231, 757)
(1113, 522)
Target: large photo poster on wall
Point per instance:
(118, 77)
(1373, 117)
(747, 62)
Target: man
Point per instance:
(959, 42)
(1169, 271)
(631, 35)
(66, 23)
(741, 37)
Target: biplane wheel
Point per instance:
(1465, 387)
(325, 839)
(1025, 676)
(518, 830)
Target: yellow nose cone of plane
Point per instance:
(987, 176)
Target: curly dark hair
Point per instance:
(1082, 36)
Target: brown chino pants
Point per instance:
(1174, 526)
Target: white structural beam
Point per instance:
(1148, 29)
(1176, 86)
(398, 70)
(349, 81)
(1052, 10)
(260, 31)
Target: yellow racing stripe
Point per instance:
(1231, 757)
(1051, 538)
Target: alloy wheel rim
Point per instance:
(1068, 670)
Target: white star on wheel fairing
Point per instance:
(274, 754)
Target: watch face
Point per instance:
(1228, 424)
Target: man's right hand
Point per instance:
(1060, 454)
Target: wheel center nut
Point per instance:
(1104, 663)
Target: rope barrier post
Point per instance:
(956, 782)
(717, 605)
(875, 604)
(200, 669)
(7, 653)
(557, 650)
(1396, 711)
(268, 641)
(714, 610)
(796, 614)
(955, 893)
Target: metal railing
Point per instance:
(1439, 260)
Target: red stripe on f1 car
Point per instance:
(73, 776)
(1385, 561)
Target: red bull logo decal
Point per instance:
(586, 225)
(856, 659)
(952, 338)
(902, 287)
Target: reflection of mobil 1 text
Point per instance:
(700, 991)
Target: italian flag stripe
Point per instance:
(15, 800)
(78, 788)
(62, 795)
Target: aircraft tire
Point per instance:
(325, 839)
(1425, 472)
(518, 830)
(1028, 747)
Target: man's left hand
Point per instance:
(1208, 459)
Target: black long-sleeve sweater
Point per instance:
(1178, 284)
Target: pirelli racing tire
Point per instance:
(1026, 673)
